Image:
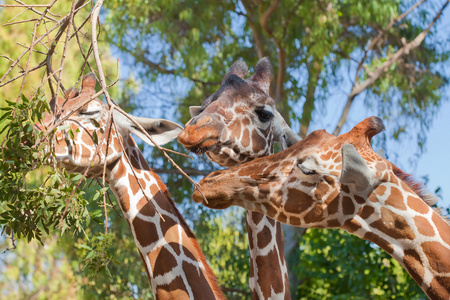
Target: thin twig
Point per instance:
(109, 199)
(13, 242)
(26, 5)
(108, 130)
(63, 58)
(192, 172)
(32, 45)
(30, 7)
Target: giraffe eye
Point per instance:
(89, 113)
(306, 171)
(264, 115)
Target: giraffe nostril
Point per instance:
(192, 121)
(204, 120)
(214, 174)
(200, 120)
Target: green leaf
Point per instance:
(64, 127)
(95, 137)
(95, 123)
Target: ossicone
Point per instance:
(71, 93)
(367, 129)
(238, 68)
(263, 74)
(88, 83)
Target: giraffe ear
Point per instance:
(195, 110)
(355, 170)
(161, 131)
(263, 74)
(284, 134)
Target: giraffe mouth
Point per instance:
(218, 202)
(198, 150)
(202, 147)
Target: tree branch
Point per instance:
(360, 87)
(266, 15)
(256, 32)
(190, 172)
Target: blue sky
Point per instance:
(436, 161)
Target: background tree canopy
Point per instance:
(334, 61)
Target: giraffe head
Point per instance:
(79, 141)
(305, 184)
(238, 122)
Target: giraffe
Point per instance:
(325, 181)
(237, 123)
(174, 263)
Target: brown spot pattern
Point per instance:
(176, 290)
(439, 288)
(414, 265)
(333, 206)
(417, 204)
(345, 188)
(326, 156)
(423, 226)
(197, 282)
(297, 202)
(348, 207)
(144, 230)
(380, 190)
(366, 211)
(282, 217)
(370, 236)
(264, 237)
(320, 191)
(123, 198)
(294, 221)
(396, 199)
(333, 223)
(393, 225)
(438, 256)
(134, 187)
(442, 227)
(351, 225)
(315, 215)
(267, 268)
(359, 200)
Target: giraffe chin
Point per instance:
(213, 201)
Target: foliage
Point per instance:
(224, 241)
(333, 264)
(43, 204)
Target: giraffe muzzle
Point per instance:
(200, 134)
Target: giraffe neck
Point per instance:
(268, 269)
(401, 223)
(173, 260)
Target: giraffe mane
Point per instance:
(429, 198)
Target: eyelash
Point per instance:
(264, 115)
(89, 113)
(306, 171)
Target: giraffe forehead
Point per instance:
(238, 100)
